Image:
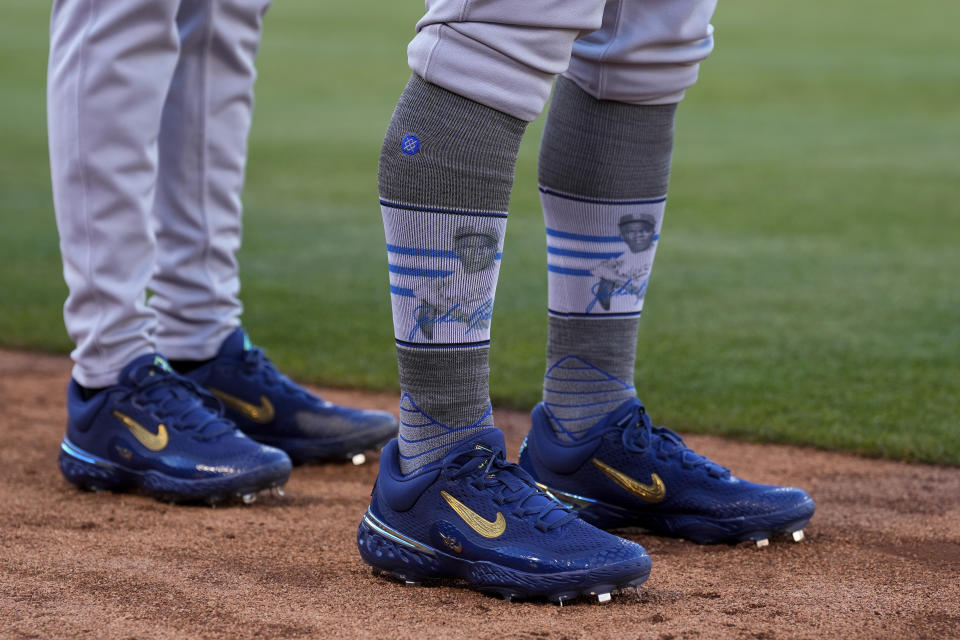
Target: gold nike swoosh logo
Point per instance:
(153, 441)
(654, 492)
(475, 521)
(262, 414)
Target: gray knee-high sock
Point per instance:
(446, 170)
(604, 170)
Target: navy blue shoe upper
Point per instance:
(157, 420)
(643, 469)
(271, 408)
(477, 506)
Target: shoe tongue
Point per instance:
(492, 440)
(627, 410)
(488, 440)
(144, 367)
(235, 345)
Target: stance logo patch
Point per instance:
(152, 441)
(262, 414)
(410, 145)
(654, 492)
(486, 528)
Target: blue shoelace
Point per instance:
(179, 402)
(640, 434)
(257, 363)
(510, 486)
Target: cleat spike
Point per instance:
(797, 535)
(278, 492)
(358, 459)
(411, 583)
(603, 597)
(764, 542)
(248, 498)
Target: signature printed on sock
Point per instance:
(604, 290)
(426, 318)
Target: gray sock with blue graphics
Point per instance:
(446, 170)
(604, 170)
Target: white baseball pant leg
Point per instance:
(203, 151)
(505, 54)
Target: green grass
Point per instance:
(806, 288)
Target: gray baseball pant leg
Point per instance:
(109, 70)
(203, 151)
(646, 51)
(505, 54)
(127, 104)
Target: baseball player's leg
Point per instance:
(132, 421)
(203, 151)
(604, 167)
(110, 66)
(481, 71)
(446, 502)
(446, 168)
(604, 170)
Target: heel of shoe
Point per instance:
(89, 472)
(392, 553)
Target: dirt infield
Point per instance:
(882, 558)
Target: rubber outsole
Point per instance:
(396, 556)
(92, 473)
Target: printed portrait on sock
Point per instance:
(443, 273)
(627, 274)
(465, 295)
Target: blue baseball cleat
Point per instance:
(159, 433)
(627, 472)
(481, 519)
(272, 409)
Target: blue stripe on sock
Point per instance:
(579, 418)
(402, 291)
(556, 233)
(569, 272)
(449, 445)
(567, 196)
(419, 272)
(594, 255)
(443, 435)
(586, 404)
(583, 380)
(565, 360)
(425, 253)
(573, 393)
(557, 423)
